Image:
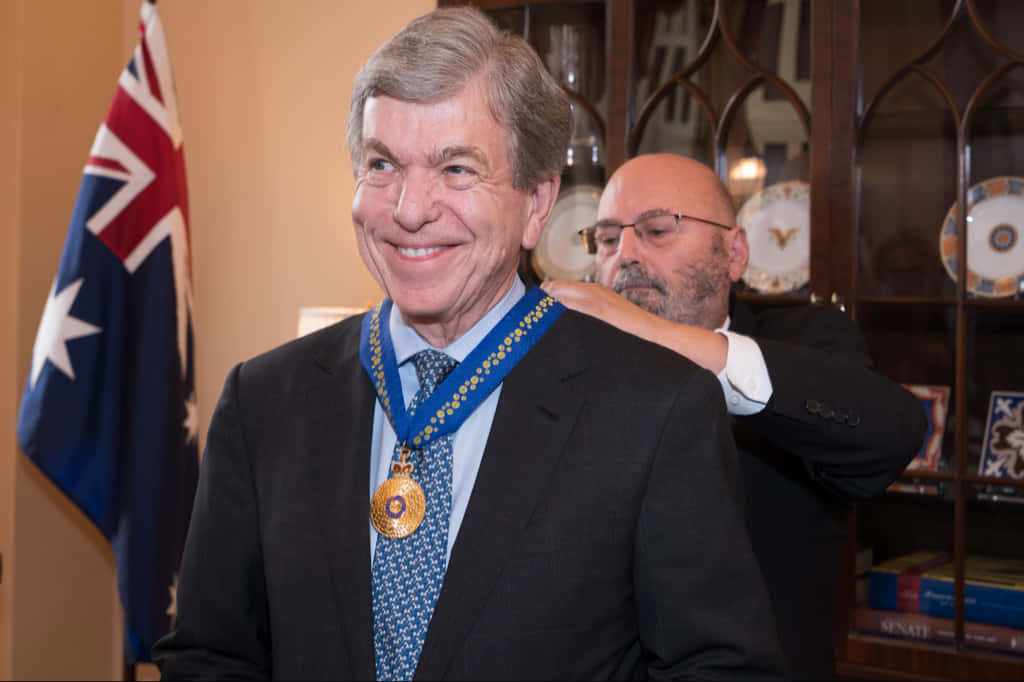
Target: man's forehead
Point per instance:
(462, 107)
(624, 202)
(436, 132)
(644, 191)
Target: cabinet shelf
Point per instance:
(870, 657)
(995, 482)
(772, 299)
(903, 301)
(967, 478)
(970, 303)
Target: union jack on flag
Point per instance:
(109, 408)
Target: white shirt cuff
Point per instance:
(745, 379)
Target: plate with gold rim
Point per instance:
(995, 237)
(778, 224)
(560, 253)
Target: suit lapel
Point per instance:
(536, 413)
(340, 409)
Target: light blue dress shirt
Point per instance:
(470, 439)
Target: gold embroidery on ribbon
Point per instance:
(458, 399)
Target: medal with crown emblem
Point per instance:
(398, 506)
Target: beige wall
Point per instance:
(10, 128)
(60, 585)
(263, 89)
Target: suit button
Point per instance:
(841, 415)
(813, 406)
(853, 419)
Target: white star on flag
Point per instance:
(172, 608)
(191, 423)
(56, 329)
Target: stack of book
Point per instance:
(911, 597)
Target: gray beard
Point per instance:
(697, 300)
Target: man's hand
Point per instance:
(705, 347)
(601, 302)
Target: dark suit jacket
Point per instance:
(832, 432)
(603, 539)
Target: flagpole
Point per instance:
(129, 672)
(129, 668)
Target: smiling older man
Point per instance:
(565, 504)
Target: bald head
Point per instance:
(686, 278)
(669, 181)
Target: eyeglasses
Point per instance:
(655, 231)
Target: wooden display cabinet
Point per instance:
(892, 111)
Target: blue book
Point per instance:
(922, 582)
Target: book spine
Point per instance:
(895, 591)
(882, 590)
(913, 590)
(982, 603)
(901, 591)
(924, 628)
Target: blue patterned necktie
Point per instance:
(408, 572)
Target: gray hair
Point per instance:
(433, 58)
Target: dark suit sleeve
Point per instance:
(702, 605)
(221, 629)
(854, 429)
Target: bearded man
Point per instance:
(816, 429)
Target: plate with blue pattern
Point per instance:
(995, 238)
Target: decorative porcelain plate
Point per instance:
(995, 237)
(560, 253)
(778, 224)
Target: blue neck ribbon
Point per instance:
(469, 384)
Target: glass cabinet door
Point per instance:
(874, 151)
(570, 38)
(728, 84)
(939, 294)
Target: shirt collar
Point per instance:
(407, 342)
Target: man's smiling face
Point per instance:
(437, 219)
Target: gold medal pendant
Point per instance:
(398, 506)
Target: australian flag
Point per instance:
(109, 409)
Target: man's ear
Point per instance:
(542, 199)
(739, 252)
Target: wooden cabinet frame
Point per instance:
(838, 122)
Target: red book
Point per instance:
(940, 630)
